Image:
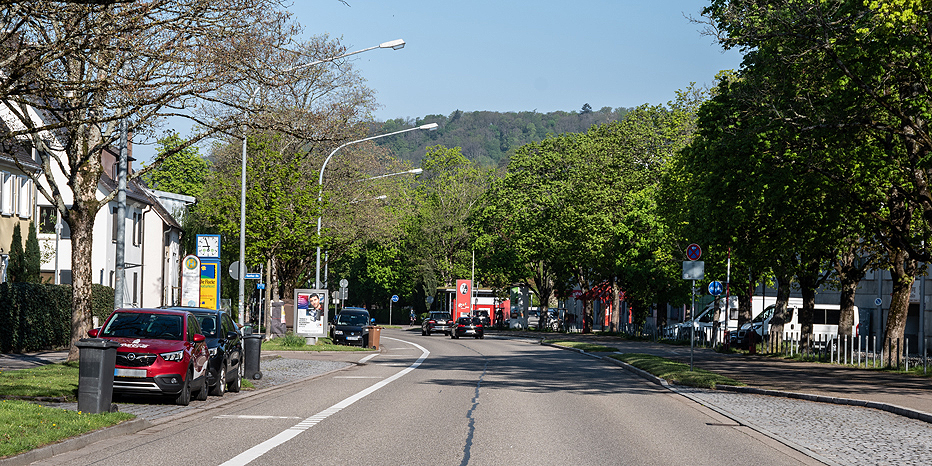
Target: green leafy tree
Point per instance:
(16, 270)
(33, 256)
(859, 71)
(438, 235)
(184, 171)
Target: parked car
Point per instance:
(553, 321)
(825, 321)
(350, 327)
(225, 345)
(437, 321)
(161, 351)
(468, 327)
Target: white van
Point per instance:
(825, 319)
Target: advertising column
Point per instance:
(210, 284)
(463, 299)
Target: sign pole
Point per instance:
(692, 324)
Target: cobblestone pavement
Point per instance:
(274, 372)
(844, 435)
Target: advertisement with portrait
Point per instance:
(310, 312)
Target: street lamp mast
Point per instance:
(320, 180)
(396, 44)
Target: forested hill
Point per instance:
(487, 137)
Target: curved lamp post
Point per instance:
(320, 180)
(392, 44)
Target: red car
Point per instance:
(161, 352)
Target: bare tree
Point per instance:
(75, 69)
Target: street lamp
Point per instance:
(413, 171)
(320, 181)
(396, 44)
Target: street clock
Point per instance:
(208, 246)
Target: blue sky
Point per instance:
(506, 56)
(521, 55)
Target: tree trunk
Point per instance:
(616, 306)
(903, 273)
(784, 283)
(81, 222)
(849, 274)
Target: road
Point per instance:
(434, 400)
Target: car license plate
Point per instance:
(129, 372)
(352, 338)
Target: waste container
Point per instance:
(374, 333)
(252, 346)
(95, 375)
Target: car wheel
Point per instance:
(220, 387)
(428, 333)
(184, 398)
(235, 385)
(482, 336)
(423, 332)
(202, 393)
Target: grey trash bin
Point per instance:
(252, 346)
(95, 375)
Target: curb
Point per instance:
(139, 424)
(75, 443)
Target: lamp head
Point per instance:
(429, 126)
(393, 44)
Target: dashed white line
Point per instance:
(257, 451)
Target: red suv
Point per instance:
(161, 352)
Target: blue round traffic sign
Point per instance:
(716, 288)
(693, 252)
(394, 298)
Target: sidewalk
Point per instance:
(780, 375)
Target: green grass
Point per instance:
(293, 342)
(25, 426)
(675, 372)
(52, 380)
(588, 347)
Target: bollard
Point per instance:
(252, 347)
(95, 375)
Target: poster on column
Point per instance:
(463, 298)
(310, 313)
(210, 288)
(190, 281)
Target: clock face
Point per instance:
(208, 246)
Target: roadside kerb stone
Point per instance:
(161, 414)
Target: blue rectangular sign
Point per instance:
(253, 276)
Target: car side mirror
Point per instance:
(231, 335)
(199, 338)
(93, 332)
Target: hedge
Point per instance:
(36, 317)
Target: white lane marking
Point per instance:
(357, 377)
(368, 357)
(246, 416)
(257, 451)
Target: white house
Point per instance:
(17, 196)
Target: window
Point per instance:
(25, 197)
(6, 193)
(135, 289)
(137, 228)
(48, 217)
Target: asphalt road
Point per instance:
(433, 400)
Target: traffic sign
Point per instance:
(693, 252)
(716, 288)
(394, 298)
(253, 276)
(260, 286)
(344, 283)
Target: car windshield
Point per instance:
(351, 319)
(142, 325)
(440, 316)
(209, 324)
(768, 313)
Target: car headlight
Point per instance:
(213, 351)
(173, 356)
(338, 332)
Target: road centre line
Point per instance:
(257, 451)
